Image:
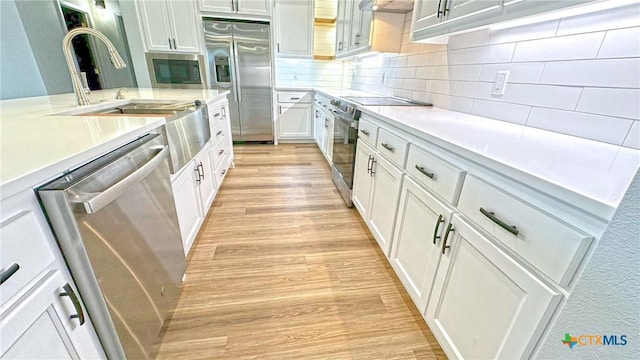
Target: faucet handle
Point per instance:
(119, 93)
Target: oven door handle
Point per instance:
(99, 200)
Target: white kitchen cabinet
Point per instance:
(295, 120)
(169, 26)
(40, 325)
(294, 28)
(327, 137)
(376, 190)
(206, 177)
(417, 240)
(359, 31)
(318, 123)
(188, 203)
(261, 8)
(484, 304)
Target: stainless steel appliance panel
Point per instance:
(344, 150)
(116, 223)
(176, 71)
(239, 61)
(187, 133)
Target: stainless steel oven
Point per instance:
(345, 136)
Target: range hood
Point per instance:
(397, 6)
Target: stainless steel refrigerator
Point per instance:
(239, 58)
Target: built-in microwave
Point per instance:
(177, 71)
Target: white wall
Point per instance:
(578, 76)
(606, 299)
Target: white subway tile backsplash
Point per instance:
(418, 60)
(441, 87)
(440, 72)
(601, 128)
(613, 102)
(617, 18)
(453, 103)
(621, 43)
(633, 137)
(440, 58)
(488, 54)
(414, 84)
(583, 46)
(395, 83)
(402, 93)
(528, 73)
(425, 72)
(470, 39)
(557, 97)
(464, 72)
(406, 73)
(623, 73)
(501, 111)
(401, 61)
(522, 33)
(422, 96)
(476, 90)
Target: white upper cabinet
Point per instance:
(294, 28)
(169, 25)
(343, 26)
(260, 8)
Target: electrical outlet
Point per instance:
(500, 83)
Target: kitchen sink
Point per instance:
(133, 108)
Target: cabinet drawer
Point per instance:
(554, 247)
(367, 132)
(215, 113)
(24, 252)
(219, 133)
(435, 173)
(392, 147)
(220, 152)
(292, 97)
(221, 169)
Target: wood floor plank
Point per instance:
(282, 269)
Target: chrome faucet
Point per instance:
(119, 94)
(116, 60)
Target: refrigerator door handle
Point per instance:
(236, 69)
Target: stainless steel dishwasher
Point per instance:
(115, 221)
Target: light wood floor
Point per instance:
(282, 269)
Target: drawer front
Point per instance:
(435, 173)
(367, 132)
(24, 253)
(221, 169)
(219, 133)
(392, 147)
(220, 152)
(554, 247)
(215, 113)
(293, 97)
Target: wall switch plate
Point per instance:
(499, 83)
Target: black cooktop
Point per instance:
(383, 101)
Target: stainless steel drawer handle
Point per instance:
(435, 232)
(9, 273)
(68, 291)
(223, 172)
(220, 152)
(492, 216)
(219, 133)
(369, 165)
(373, 161)
(425, 172)
(294, 98)
(201, 167)
(102, 199)
(388, 147)
(450, 229)
(216, 115)
(364, 132)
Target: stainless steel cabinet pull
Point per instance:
(278, 46)
(199, 178)
(174, 44)
(340, 45)
(492, 216)
(373, 161)
(422, 170)
(435, 232)
(216, 115)
(68, 291)
(369, 165)
(294, 98)
(357, 39)
(223, 172)
(388, 147)
(201, 167)
(450, 229)
(439, 12)
(9, 272)
(364, 132)
(220, 152)
(219, 133)
(233, 8)
(444, 8)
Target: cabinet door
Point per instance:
(463, 9)
(417, 240)
(183, 25)
(343, 25)
(355, 26)
(294, 121)
(188, 204)
(41, 326)
(362, 179)
(253, 7)
(207, 185)
(294, 28)
(484, 305)
(221, 6)
(327, 129)
(317, 125)
(154, 17)
(366, 19)
(387, 180)
(426, 13)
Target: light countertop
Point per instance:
(36, 146)
(594, 173)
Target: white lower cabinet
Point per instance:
(294, 121)
(188, 204)
(376, 190)
(485, 305)
(44, 324)
(417, 241)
